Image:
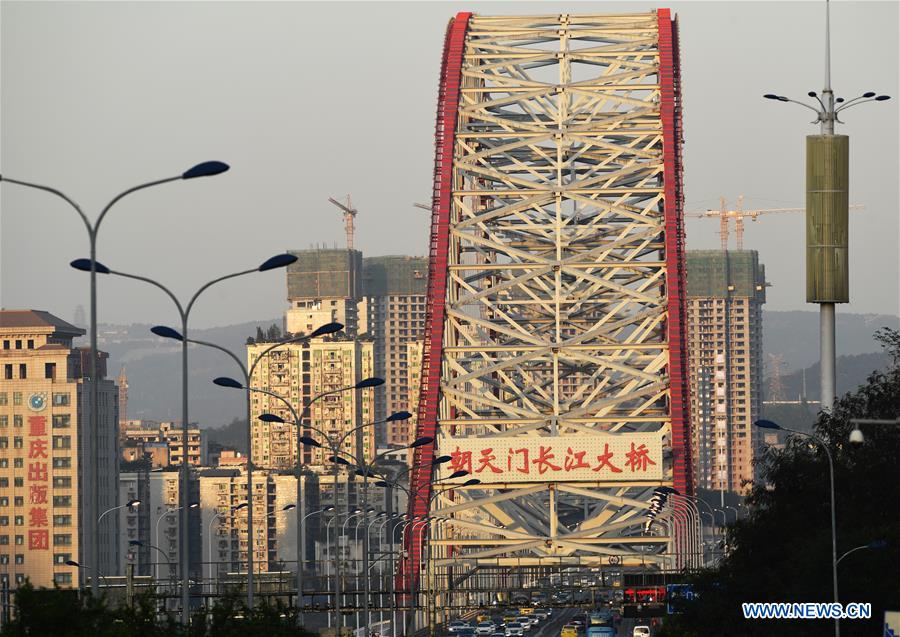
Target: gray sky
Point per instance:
(311, 100)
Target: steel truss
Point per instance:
(556, 285)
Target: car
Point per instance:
(641, 631)
(485, 628)
(541, 614)
(515, 629)
(569, 631)
(601, 631)
(456, 625)
(528, 622)
(465, 631)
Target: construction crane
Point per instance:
(349, 215)
(739, 214)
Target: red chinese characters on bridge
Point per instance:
(562, 457)
(38, 478)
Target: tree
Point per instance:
(274, 333)
(782, 552)
(260, 335)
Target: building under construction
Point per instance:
(323, 285)
(725, 293)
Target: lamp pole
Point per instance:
(768, 424)
(367, 383)
(209, 543)
(184, 311)
(192, 505)
(205, 169)
(247, 373)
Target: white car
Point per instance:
(485, 628)
(456, 625)
(641, 631)
(514, 629)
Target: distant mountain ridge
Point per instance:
(153, 364)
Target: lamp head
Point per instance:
(85, 266)
(381, 483)
(440, 460)
(366, 383)
(869, 94)
(270, 418)
(420, 442)
(167, 332)
(278, 261)
(770, 96)
(458, 474)
(309, 442)
(225, 381)
(328, 328)
(206, 169)
(400, 415)
(238, 507)
(288, 507)
(767, 424)
(330, 507)
(857, 437)
(339, 460)
(882, 98)
(135, 543)
(73, 563)
(471, 483)
(133, 503)
(878, 544)
(812, 93)
(194, 505)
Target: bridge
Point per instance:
(554, 366)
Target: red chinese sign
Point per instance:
(625, 456)
(38, 478)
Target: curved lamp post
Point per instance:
(209, 553)
(876, 545)
(205, 169)
(247, 373)
(366, 383)
(768, 424)
(169, 511)
(184, 312)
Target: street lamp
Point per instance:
(209, 552)
(876, 545)
(90, 568)
(192, 505)
(857, 437)
(204, 169)
(129, 504)
(168, 332)
(184, 311)
(768, 424)
(366, 383)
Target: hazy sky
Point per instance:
(311, 100)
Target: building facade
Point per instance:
(47, 452)
(725, 293)
(163, 442)
(299, 372)
(396, 289)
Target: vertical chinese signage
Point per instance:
(38, 484)
(604, 457)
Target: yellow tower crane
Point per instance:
(725, 215)
(349, 213)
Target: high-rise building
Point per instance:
(725, 293)
(323, 286)
(225, 545)
(395, 289)
(163, 442)
(299, 372)
(47, 448)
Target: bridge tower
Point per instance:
(554, 360)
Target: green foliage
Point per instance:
(60, 613)
(782, 552)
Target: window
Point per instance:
(20, 558)
(18, 463)
(18, 421)
(62, 442)
(62, 421)
(23, 370)
(4, 482)
(62, 463)
(64, 482)
(5, 344)
(2, 397)
(19, 501)
(20, 540)
(4, 559)
(62, 578)
(7, 371)
(20, 520)
(4, 520)
(62, 539)
(62, 500)
(18, 482)
(4, 463)
(18, 442)
(4, 422)
(4, 442)
(4, 540)
(30, 343)
(50, 370)
(60, 399)
(18, 344)
(61, 558)
(62, 520)
(17, 395)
